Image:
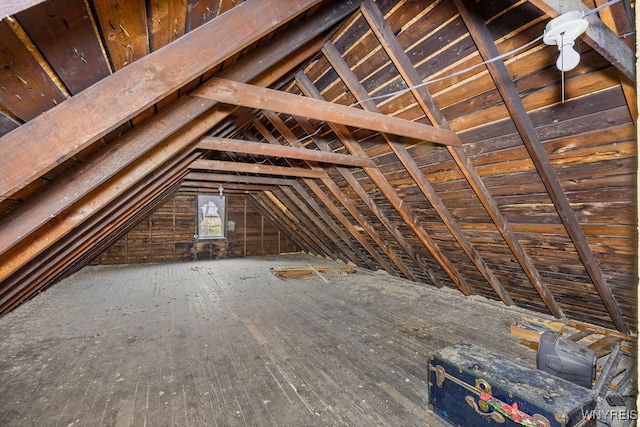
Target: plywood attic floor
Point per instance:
(226, 343)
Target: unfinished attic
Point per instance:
(186, 187)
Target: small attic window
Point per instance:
(211, 217)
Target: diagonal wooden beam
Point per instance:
(332, 233)
(80, 249)
(619, 20)
(284, 130)
(303, 227)
(281, 217)
(358, 91)
(219, 165)
(320, 211)
(126, 220)
(94, 203)
(372, 205)
(257, 203)
(329, 232)
(312, 225)
(326, 200)
(425, 100)
(505, 85)
(110, 102)
(352, 251)
(181, 122)
(251, 147)
(305, 84)
(30, 276)
(598, 35)
(230, 92)
(339, 195)
(402, 62)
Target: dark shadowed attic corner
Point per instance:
(349, 212)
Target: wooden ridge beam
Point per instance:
(120, 96)
(291, 139)
(222, 166)
(598, 35)
(271, 150)
(250, 96)
(498, 70)
(305, 84)
(197, 116)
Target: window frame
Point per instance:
(202, 202)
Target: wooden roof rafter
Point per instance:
(412, 168)
(26, 279)
(137, 86)
(307, 87)
(274, 119)
(343, 233)
(183, 122)
(353, 249)
(331, 229)
(339, 195)
(302, 228)
(312, 226)
(371, 204)
(402, 62)
(504, 83)
(327, 226)
(264, 205)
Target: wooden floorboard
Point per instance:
(226, 343)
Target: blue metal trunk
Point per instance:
(471, 386)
